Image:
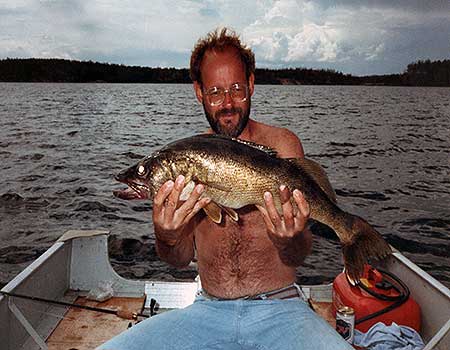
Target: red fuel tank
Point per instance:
(376, 291)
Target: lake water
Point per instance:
(385, 149)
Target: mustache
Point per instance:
(233, 110)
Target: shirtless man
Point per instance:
(247, 269)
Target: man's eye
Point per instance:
(214, 92)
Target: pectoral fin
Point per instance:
(210, 182)
(231, 213)
(214, 212)
(219, 186)
(318, 174)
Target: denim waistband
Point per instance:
(291, 291)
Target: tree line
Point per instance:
(420, 73)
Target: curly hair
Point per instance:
(220, 40)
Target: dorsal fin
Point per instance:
(263, 148)
(317, 173)
(258, 146)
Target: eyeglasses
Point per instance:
(216, 95)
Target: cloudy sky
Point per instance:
(351, 36)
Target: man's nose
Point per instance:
(227, 99)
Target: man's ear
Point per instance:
(251, 84)
(198, 91)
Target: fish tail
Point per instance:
(365, 243)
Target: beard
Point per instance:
(232, 130)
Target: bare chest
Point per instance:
(236, 259)
(231, 243)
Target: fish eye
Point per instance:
(141, 170)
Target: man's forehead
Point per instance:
(218, 63)
(224, 50)
(225, 54)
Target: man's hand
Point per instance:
(170, 215)
(288, 232)
(293, 221)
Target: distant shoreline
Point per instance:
(175, 83)
(38, 70)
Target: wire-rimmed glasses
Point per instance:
(216, 95)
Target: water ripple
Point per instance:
(385, 150)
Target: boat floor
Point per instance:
(324, 309)
(82, 329)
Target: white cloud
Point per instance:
(313, 33)
(53, 28)
(313, 42)
(374, 52)
(293, 32)
(271, 48)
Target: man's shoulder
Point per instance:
(281, 139)
(266, 128)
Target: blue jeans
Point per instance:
(232, 324)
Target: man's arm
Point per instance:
(172, 219)
(294, 252)
(180, 253)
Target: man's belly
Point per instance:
(239, 259)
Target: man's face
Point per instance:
(222, 70)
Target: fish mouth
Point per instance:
(135, 190)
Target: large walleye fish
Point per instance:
(236, 173)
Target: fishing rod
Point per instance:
(125, 314)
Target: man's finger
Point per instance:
(271, 210)
(288, 212)
(161, 195)
(302, 204)
(190, 203)
(197, 207)
(171, 202)
(266, 218)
